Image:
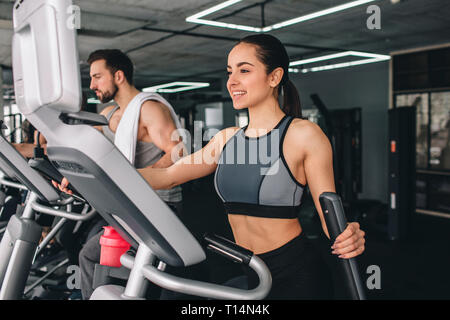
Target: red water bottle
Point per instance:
(113, 246)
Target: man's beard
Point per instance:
(108, 96)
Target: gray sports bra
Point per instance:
(252, 177)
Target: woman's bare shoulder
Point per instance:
(305, 133)
(305, 128)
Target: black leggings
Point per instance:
(298, 272)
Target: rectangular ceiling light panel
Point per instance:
(369, 58)
(179, 86)
(198, 17)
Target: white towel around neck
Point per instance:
(126, 133)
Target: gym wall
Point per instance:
(365, 86)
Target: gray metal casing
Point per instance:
(15, 166)
(47, 55)
(92, 164)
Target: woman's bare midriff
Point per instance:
(262, 235)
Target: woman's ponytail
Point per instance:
(291, 100)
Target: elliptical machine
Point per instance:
(97, 169)
(20, 243)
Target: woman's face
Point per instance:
(248, 82)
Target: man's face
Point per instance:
(102, 81)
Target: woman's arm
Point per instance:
(318, 166)
(194, 166)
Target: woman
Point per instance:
(261, 195)
(258, 73)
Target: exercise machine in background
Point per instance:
(343, 128)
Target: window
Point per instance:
(440, 131)
(422, 111)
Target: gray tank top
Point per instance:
(147, 153)
(252, 177)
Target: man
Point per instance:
(111, 73)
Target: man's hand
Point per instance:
(62, 186)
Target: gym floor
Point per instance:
(413, 268)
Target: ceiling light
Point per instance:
(370, 58)
(93, 101)
(339, 55)
(341, 65)
(196, 18)
(181, 86)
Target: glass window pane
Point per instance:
(407, 100)
(439, 193)
(440, 131)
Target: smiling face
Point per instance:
(248, 82)
(102, 81)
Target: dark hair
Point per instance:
(272, 54)
(115, 60)
(28, 131)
